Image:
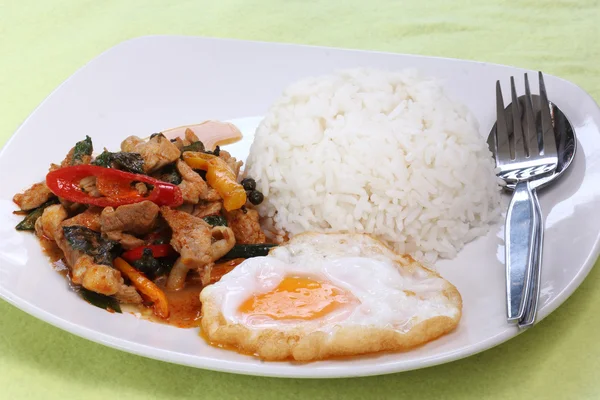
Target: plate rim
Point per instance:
(249, 369)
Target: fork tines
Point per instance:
(522, 137)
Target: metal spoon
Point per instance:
(566, 146)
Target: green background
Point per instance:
(43, 42)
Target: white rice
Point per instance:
(385, 153)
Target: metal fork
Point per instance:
(524, 153)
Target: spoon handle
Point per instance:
(519, 234)
(533, 295)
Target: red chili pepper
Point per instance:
(64, 183)
(158, 250)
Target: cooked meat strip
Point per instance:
(186, 207)
(197, 242)
(126, 240)
(128, 295)
(126, 221)
(208, 208)
(137, 219)
(141, 188)
(190, 136)
(70, 206)
(48, 224)
(85, 159)
(90, 218)
(156, 152)
(203, 209)
(178, 142)
(190, 191)
(88, 184)
(33, 197)
(187, 173)
(192, 237)
(95, 277)
(212, 195)
(193, 187)
(178, 274)
(84, 271)
(245, 226)
(223, 241)
(234, 164)
(98, 278)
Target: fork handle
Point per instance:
(519, 235)
(533, 295)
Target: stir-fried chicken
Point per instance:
(192, 237)
(88, 185)
(48, 224)
(137, 219)
(126, 221)
(197, 242)
(111, 247)
(156, 152)
(90, 218)
(204, 209)
(128, 294)
(234, 164)
(193, 187)
(69, 160)
(84, 271)
(101, 279)
(245, 226)
(190, 136)
(126, 240)
(212, 195)
(33, 197)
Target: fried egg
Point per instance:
(326, 295)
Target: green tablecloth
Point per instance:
(44, 42)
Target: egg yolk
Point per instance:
(297, 298)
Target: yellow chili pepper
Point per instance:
(220, 177)
(145, 286)
(197, 160)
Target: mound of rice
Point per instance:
(385, 153)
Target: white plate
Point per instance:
(154, 83)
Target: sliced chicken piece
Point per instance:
(49, 223)
(193, 187)
(197, 242)
(33, 197)
(90, 218)
(186, 207)
(141, 188)
(126, 240)
(98, 278)
(212, 195)
(88, 185)
(190, 136)
(68, 161)
(234, 164)
(191, 238)
(204, 209)
(137, 219)
(178, 142)
(126, 221)
(223, 241)
(84, 271)
(245, 226)
(156, 152)
(128, 295)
